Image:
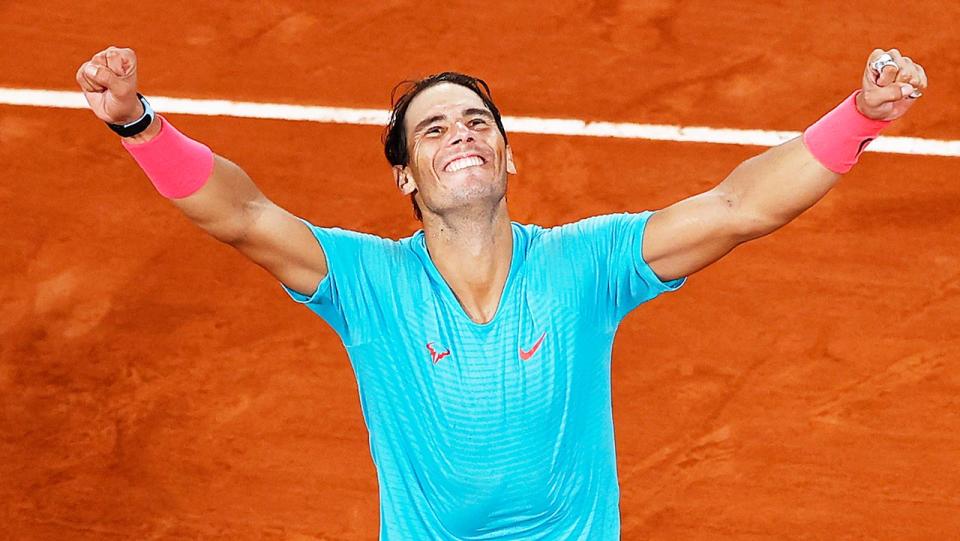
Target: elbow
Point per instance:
(236, 228)
(751, 226)
(745, 221)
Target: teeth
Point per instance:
(463, 163)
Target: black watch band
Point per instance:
(138, 125)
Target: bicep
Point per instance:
(233, 210)
(282, 244)
(691, 234)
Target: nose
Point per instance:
(461, 133)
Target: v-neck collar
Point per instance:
(447, 292)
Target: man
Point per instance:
(481, 346)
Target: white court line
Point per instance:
(516, 124)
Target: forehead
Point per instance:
(443, 98)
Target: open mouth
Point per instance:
(460, 164)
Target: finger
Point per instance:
(88, 72)
(120, 61)
(114, 61)
(923, 77)
(874, 55)
(887, 94)
(99, 75)
(129, 60)
(86, 85)
(869, 74)
(889, 73)
(103, 59)
(921, 85)
(908, 72)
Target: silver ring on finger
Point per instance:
(879, 65)
(882, 62)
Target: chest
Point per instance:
(474, 383)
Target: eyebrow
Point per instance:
(472, 111)
(427, 121)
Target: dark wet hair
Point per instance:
(395, 135)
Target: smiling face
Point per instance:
(457, 156)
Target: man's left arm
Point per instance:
(767, 191)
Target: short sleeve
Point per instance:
(608, 252)
(358, 264)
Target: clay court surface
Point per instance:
(156, 385)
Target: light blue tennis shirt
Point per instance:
(501, 430)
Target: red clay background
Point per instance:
(155, 385)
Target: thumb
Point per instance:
(890, 93)
(100, 76)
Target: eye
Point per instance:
(432, 131)
(478, 122)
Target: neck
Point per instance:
(473, 253)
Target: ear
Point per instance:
(404, 180)
(511, 166)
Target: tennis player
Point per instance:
(481, 346)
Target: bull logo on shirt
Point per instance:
(435, 355)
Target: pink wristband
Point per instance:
(838, 139)
(176, 165)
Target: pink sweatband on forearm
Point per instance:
(176, 165)
(838, 139)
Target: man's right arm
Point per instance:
(228, 205)
(232, 209)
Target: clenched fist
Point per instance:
(888, 92)
(109, 82)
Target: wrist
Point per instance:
(840, 136)
(152, 131)
(137, 114)
(862, 107)
(176, 165)
(858, 99)
(137, 126)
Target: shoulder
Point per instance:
(351, 240)
(590, 231)
(351, 253)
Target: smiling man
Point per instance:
(482, 346)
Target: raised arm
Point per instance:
(767, 191)
(226, 203)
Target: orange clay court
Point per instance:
(155, 385)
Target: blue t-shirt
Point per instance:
(501, 430)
